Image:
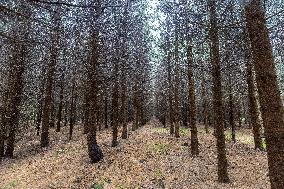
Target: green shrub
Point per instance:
(97, 186)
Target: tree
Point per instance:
(51, 68)
(17, 68)
(253, 106)
(217, 96)
(60, 106)
(269, 94)
(192, 108)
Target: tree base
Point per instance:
(94, 150)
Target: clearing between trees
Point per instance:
(149, 158)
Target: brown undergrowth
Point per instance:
(150, 158)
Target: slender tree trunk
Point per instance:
(124, 107)
(47, 103)
(240, 116)
(106, 111)
(253, 107)
(60, 107)
(2, 132)
(192, 104)
(170, 88)
(231, 111)
(44, 140)
(66, 112)
(13, 108)
(94, 151)
(115, 116)
(15, 92)
(115, 108)
(40, 102)
(72, 111)
(217, 96)
(269, 94)
(135, 106)
(52, 109)
(205, 108)
(177, 84)
(86, 113)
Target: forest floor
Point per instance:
(150, 158)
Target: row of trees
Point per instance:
(92, 61)
(222, 46)
(70, 62)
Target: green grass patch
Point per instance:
(240, 136)
(159, 148)
(106, 180)
(158, 174)
(184, 131)
(97, 186)
(10, 185)
(263, 143)
(159, 178)
(161, 130)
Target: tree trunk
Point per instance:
(44, 140)
(115, 108)
(115, 116)
(192, 108)
(253, 107)
(15, 92)
(40, 102)
(177, 83)
(52, 109)
(94, 151)
(231, 111)
(269, 94)
(205, 104)
(60, 107)
(2, 132)
(124, 107)
(86, 113)
(217, 96)
(106, 111)
(135, 106)
(72, 111)
(66, 112)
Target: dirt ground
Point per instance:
(150, 158)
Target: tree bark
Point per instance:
(205, 106)
(253, 107)
(106, 111)
(192, 104)
(72, 111)
(44, 140)
(15, 92)
(94, 151)
(171, 116)
(2, 132)
(231, 111)
(124, 115)
(269, 94)
(115, 116)
(60, 107)
(217, 96)
(115, 108)
(177, 83)
(40, 101)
